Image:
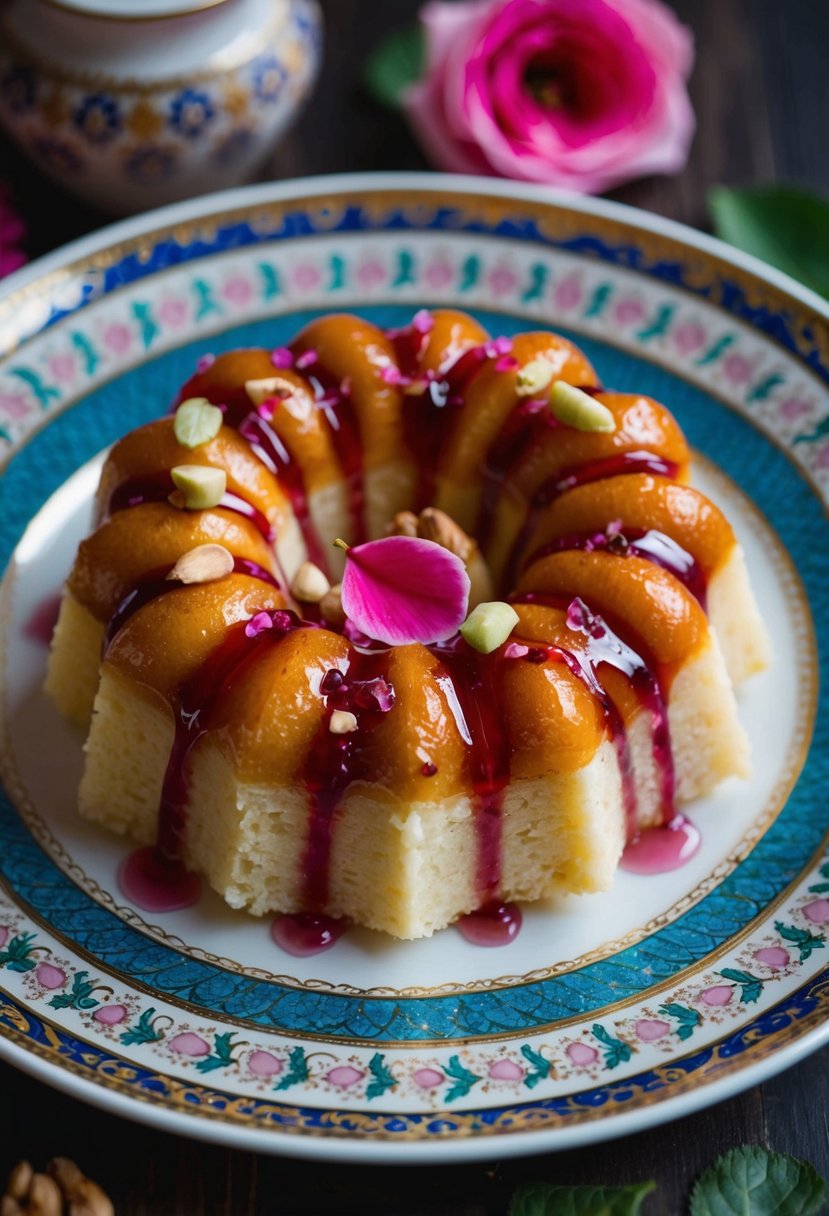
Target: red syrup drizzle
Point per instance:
(473, 698)
(303, 934)
(529, 423)
(650, 544)
(227, 663)
(594, 470)
(334, 400)
(41, 624)
(157, 487)
(493, 924)
(156, 884)
(425, 412)
(661, 849)
(605, 646)
(156, 583)
(334, 761)
(268, 447)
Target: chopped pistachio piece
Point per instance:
(342, 722)
(578, 409)
(196, 422)
(201, 485)
(309, 584)
(533, 378)
(204, 564)
(488, 625)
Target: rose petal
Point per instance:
(403, 589)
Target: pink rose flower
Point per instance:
(12, 232)
(581, 94)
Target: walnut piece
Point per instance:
(403, 524)
(436, 525)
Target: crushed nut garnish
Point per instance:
(533, 378)
(267, 388)
(342, 722)
(204, 564)
(310, 584)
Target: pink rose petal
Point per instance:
(423, 321)
(402, 589)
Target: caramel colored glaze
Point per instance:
(642, 602)
(452, 334)
(153, 448)
(354, 351)
(420, 730)
(555, 723)
(535, 479)
(167, 641)
(640, 500)
(292, 413)
(151, 537)
(302, 427)
(223, 381)
(547, 625)
(267, 735)
(490, 399)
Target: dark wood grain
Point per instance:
(760, 94)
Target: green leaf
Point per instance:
(382, 1077)
(463, 1079)
(688, 1019)
(544, 1199)
(540, 1066)
(616, 1051)
(752, 1181)
(780, 224)
(17, 955)
(750, 986)
(143, 1031)
(222, 1056)
(80, 997)
(805, 941)
(393, 65)
(297, 1069)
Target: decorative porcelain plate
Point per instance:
(607, 1013)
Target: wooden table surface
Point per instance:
(760, 94)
